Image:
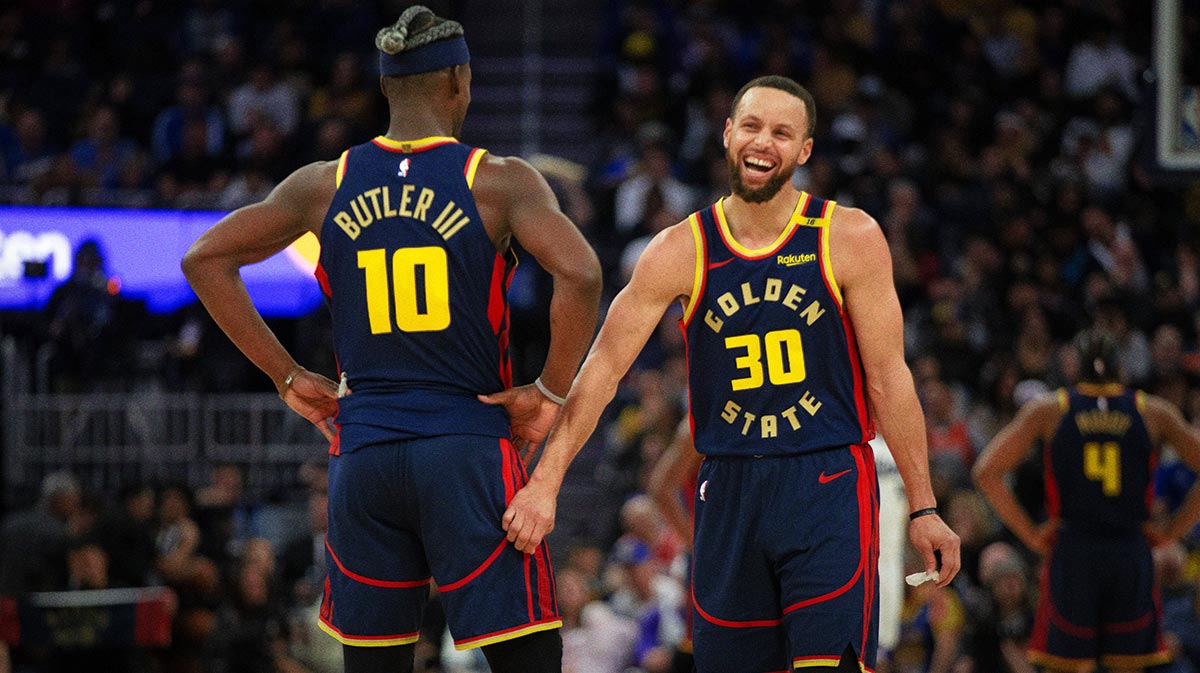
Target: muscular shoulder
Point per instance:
(853, 227)
(669, 261)
(857, 245)
(1044, 412)
(505, 178)
(310, 184)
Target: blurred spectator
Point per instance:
(27, 155)
(595, 639)
(81, 323)
(128, 536)
(344, 97)
(946, 425)
(193, 178)
(224, 520)
(1101, 60)
(263, 99)
(652, 175)
(1000, 617)
(101, 156)
(192, 107)
(33, 543)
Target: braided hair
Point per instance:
(416, 27)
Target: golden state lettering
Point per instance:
(380, 202)
(772, 291)
(1100, 422)
(768, 424)
(796, 260)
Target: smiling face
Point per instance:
(765, 139)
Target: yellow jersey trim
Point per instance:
(365, 642)
(1064, 400)
(532, 628)
(1135, 660)
(1056, 663)
(1139, 398)
(417, 145)
(341, 168)
(473, 165)
(830, 662)
(808, 663)
(1101, 389)
(826, 264)
(698, 280)
(742, 250)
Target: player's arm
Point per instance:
(533, 217)
(249, 235)
(1033, 424)
(862, 265)
(674, 466)
(663, 275)
(1169, 426)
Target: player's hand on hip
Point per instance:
(530, 413)
(929, 534)
(530, 516)
(314, 397)
(1043, 537)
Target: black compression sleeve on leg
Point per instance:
(539, 652)
(388, 659)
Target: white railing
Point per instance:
(111, 439)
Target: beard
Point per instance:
(760, 194)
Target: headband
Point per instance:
(426, 58)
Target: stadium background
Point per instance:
(1006, 147)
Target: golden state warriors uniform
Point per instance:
(1098, 599)
(786, 545)
(421, 472)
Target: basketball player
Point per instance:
(1098, 602)
(794, 341)
(416, 231)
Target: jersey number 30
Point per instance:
(420, 286)
(785, 358)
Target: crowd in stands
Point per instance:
(1002, 145)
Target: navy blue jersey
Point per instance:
(1100, 462)
(417, 291)
(772, 363)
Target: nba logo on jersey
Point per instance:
(403, 172)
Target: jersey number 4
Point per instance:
(1102, 463)
(785, 358)
(420, 286)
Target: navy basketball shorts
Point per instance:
(406, 514)
(786, 556)
(1098, 602)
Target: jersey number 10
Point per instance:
(420, 286)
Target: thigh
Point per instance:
(491, 591)
(377, 580)
(1065, 632)
(825, 546)
(737, 622)
(1130, 619)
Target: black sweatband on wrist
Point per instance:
(922, 512)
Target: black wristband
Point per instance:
(922, 512)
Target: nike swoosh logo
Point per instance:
(825, 479)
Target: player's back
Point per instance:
(1100, 461)
(417, 290)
